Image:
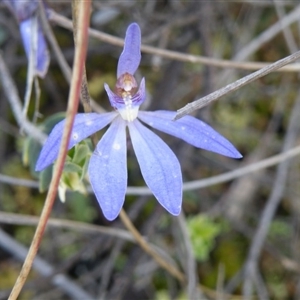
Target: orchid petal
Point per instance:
(131, 56)
(140, 96)
(159, 166)
(118, 102)
(115, 100)
(84, 126)
(191, 130)
(34, 41)
(108, 169)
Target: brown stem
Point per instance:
(80, 54)
(147, 248)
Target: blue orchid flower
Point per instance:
(31, 33)
(159, 166)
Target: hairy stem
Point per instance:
(80, 54)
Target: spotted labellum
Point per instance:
(108, 164)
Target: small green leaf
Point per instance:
(82, 151)
(203, 232)
(45, 178)
(72, 181)
(85, 168)
(70, 167)
(31, 150)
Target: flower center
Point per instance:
(126, 87)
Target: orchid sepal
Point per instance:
(108, 169)
(131, 56)
(159, 166)
(85, 124)
(191, 130)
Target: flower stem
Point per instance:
(84, 92)
(80, 54)
(85, 95)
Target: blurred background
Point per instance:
(236, 237)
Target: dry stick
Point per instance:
(163, 263)
(251, 266)
(273, 201)
(18, 219)
(66, 23)
(85, 95)
(260, 236)
(28, 220)
(12, 96)
(123, 215)
(140, 240)
(146, 247)
(287, 32)
(84, 91)
(63, 282)
(64, 66)
(80, 54)
(268, 34)
(193, 290)
(188, 186)
(198, 184)
(197, 104)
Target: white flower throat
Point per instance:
(126, 88)
(129, 112)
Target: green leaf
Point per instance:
(45, 178)
(85, 168)
(82, 151)
(72, 181)
(70, 167)
(31, 150)
(203, 232)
